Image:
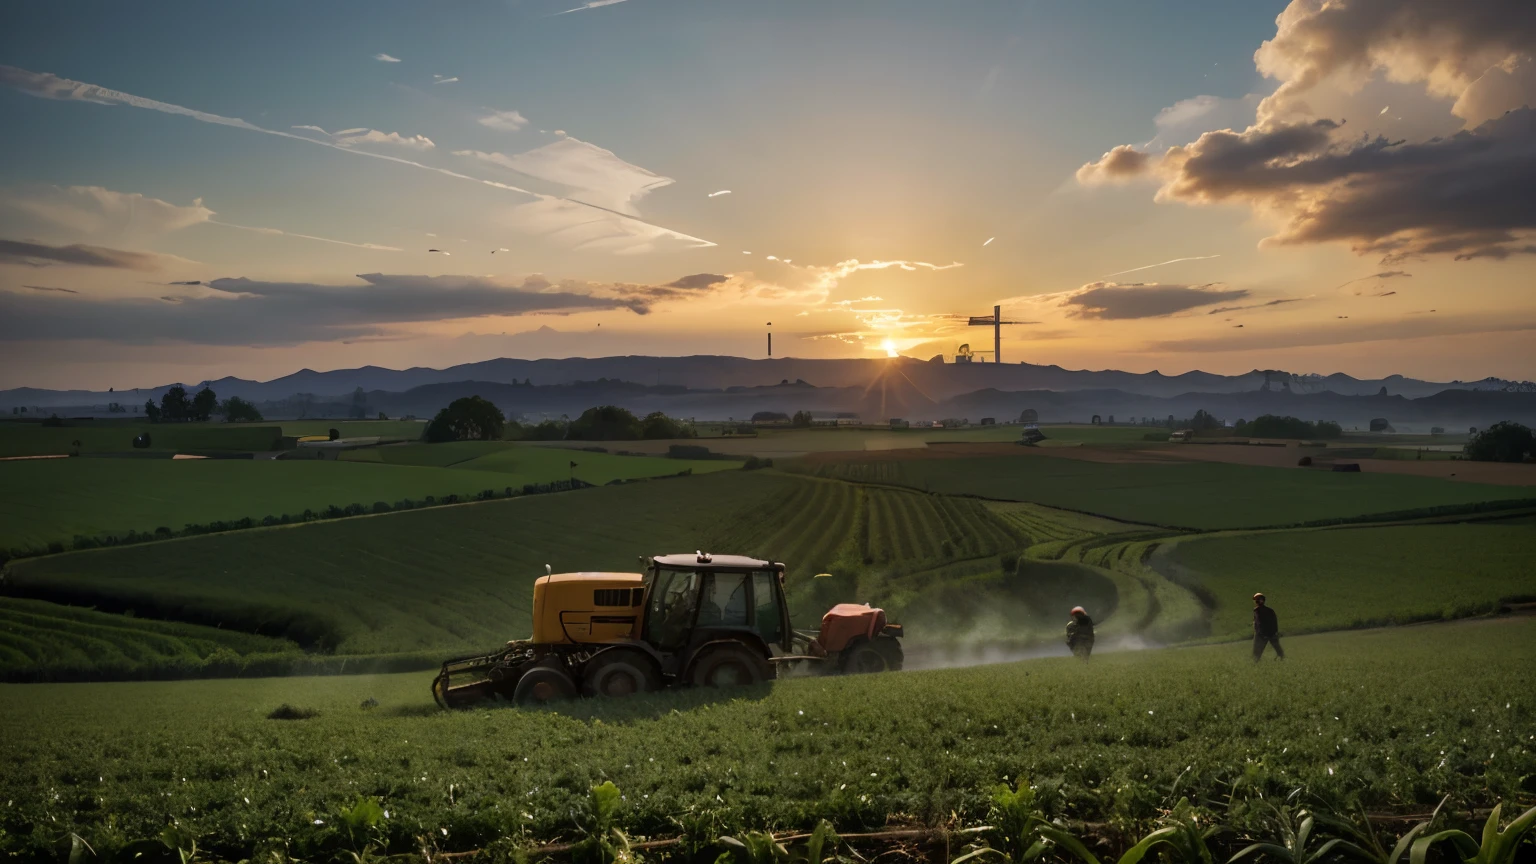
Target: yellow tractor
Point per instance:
(702, 620)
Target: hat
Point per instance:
(1258, 597)
(1078, 610)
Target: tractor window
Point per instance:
(674, 596)
(765, 602)
(725, 601)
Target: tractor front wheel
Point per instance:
(728, 666)
(620, 673)
(890, 648)
(542, 685)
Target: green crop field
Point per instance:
(116, 436)
(445, 579)
(538, 464)
(1201, 495)
(53, 500)
(1337, 578)
(1392, 719)
(407, 429)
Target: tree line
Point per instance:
(176, 407)
(473, 418)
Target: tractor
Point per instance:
(689, 620)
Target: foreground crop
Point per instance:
(1392, 719)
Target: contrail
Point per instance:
(46, 85)
(989, 241)
(275, 232)
(1161, 263)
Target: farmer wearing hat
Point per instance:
(1266, 629)
(1080, 633)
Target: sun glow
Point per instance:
(890, 347)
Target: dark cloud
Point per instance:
(1280, 302)
(1115, 301)
(698, 281)
(243, 311)
(49, 288)
(1351, 331)
(79, 254)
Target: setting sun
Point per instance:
(890, 347)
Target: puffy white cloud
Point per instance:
(1117, 166)
(505, 121)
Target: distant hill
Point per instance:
(905, 384)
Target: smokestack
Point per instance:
(770, 344)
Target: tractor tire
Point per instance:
(728, 665)
(618, 672)
(890, 648)
(863, 659)
(542, 685)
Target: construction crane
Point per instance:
(996, 322)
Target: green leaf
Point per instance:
(1134, 854)
(978, 854)
(1270, 849)
(1070, 843)
(1465, 845)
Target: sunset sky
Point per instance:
(192, 190)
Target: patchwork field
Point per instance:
(1392, 719)
(543, 463)
(52, 500)
(1200, 495)
(113, 436)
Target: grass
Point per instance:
(1330, 579)
(1394, 719)
(408, 429)
(52, 500)
(1198, 495)
(116, 436)
(542, 463)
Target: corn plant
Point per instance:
(1021, 832)
(1362, 841)
(820, 847)
(1181, 833)
(1497, 847)
(753, 847)
(605, 842)
(1293, 839)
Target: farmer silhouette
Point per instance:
(1266, 629)
(1080, 634)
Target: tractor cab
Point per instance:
(693, 600)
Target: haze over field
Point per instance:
(1223, 187)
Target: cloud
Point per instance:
(1477, 53)
(594, 175)
(48, 86)
(505, 121)
(353, 137)
(442, 80)
(718, 194)
(242, 311)
(1117, 166)
(274, 232)
(97, 211)
(385, 58)
(1467, 195)
(592, 4)
(817, 282)
(80, 255)
(580, 226)
(1385, 274)
(1111, 301)
(1281, 302)
(1333, 332)
(50, 288)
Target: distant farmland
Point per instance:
(52, 500)
(1199, 495)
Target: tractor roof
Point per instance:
(593, 576)
(706, 561)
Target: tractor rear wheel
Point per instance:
(728, 665)
(542, 685)
(864, 658)
(619, 672)
(890, 648)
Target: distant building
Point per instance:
(989, 421)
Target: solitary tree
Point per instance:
(468, 419)
(801, 419)
(1502, 442)
(204, 404)
(237, 410)
(174, 405)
